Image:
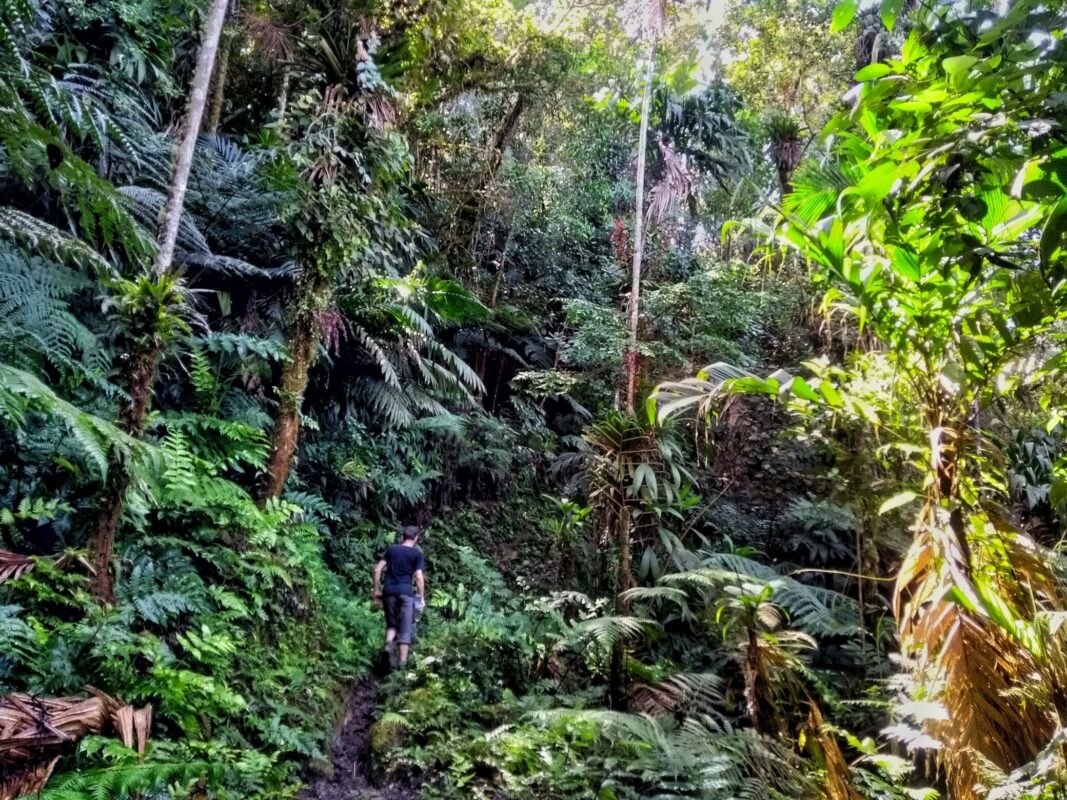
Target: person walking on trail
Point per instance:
(401, 566)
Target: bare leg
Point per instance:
(390, 634)
(403, 653)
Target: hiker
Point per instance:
(401, 564)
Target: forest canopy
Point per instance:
(715, 351)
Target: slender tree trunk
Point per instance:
(142, 359)
(183, 160)
(140, 374)
(623, 607)
(303, 338)
(631, 365)
(283, 97)
(218, 88)
(465, 220)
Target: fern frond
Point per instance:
(21, 391)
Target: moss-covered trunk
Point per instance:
(140, 376)
(313, 295)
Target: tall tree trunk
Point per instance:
(465, 219)
(283, 97)
(303, 337)
(623, 607)
(631, 365)
(140, 374)
(183, 160)
(139, 369)
(218, 88)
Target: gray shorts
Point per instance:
(400, 615)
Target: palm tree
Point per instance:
(786, 148)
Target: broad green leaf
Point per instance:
(752, 386)
(877, 183)
(896, 501)
(830, 394)
(917, 106)
(1042, 189)
(905, 263)
(914, 47)
(844, 13)
(1029, 171)
(872, 72)
(645, 476)
(957, 65)
(889, 11)
(801, 389)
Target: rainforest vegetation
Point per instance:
(716, 346)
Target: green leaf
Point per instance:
(890, 11)
(876, 184)
(1052, 237)
(914, 47)
(896, 501)
(830, 393)
(844, 13)
(1041, 189)
(918, 106)
(646, 476)
(906, 263)
(872, 72)
(801, 389)
(957, 65)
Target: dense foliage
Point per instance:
(718, 349)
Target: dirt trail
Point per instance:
(350, 778)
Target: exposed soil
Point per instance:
(348, 777)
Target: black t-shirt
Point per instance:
(401, 564)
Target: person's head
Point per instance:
(410, 533)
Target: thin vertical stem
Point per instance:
(639, 229)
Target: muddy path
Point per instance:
(348, 776)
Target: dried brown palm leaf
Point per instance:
(672, 189)
(13, 565)
(266, 35)
(966, 602)
(823, 747)
(31, 727)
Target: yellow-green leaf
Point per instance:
(957, 65)
(896, 501)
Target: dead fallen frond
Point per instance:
(33, 728)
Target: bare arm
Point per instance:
(420, 582)
(378, 569)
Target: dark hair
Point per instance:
(410, 533)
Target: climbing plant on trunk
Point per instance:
(349, 220)
(150, 309)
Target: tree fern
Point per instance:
(42, 238)
(699, 757)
